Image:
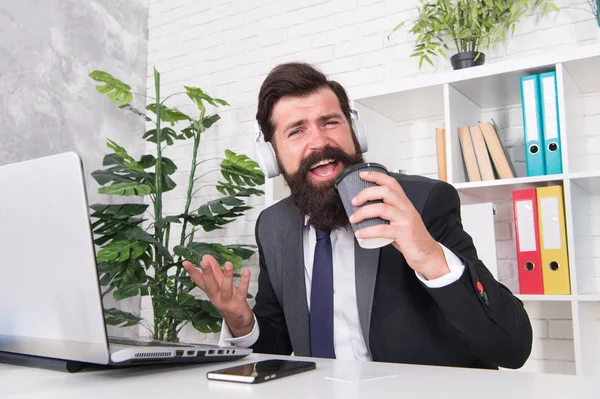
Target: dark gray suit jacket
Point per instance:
(402, 320)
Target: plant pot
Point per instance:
(467, 60)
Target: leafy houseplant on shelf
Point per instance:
(595, 6)
(135, 256)
(467, 26)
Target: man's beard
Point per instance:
(320, 201)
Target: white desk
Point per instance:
(395, 381)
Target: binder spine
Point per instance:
(532, 126)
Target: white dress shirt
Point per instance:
(349, 342)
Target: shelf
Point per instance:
(502, 188)
(585, 74)
(499, 90)
(408, 105)
(571, 57)
(547, 298)
(559, 298)
(588, 181)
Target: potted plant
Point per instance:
(466, 26)
(595, 6)
(136, 254)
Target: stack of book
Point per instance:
(484, 156)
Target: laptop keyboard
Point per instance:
(139, 342)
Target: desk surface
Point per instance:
(331, 379)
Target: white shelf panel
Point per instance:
(559, 298)
(569, 56)
(585, 74)
(502, 188)
(588, 298)
(588, 181)
(547, 298)
(408, 105)
(500, 90)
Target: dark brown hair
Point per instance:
(295, 79)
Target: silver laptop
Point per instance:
(50, 297)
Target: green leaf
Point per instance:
(237, 191)
(167, 134)
(216, 213)
(116, 317)
(122, 250)
(181, 308)
(196, 250)
(109, 175)
(168, 166)
(126, 189)
(206, 324)
(210, 120)
(199, 96)
(119, 210)
(171, 219)
(115, 90)
(130, 291)
(170, 115)
(239, 169)
(243, 251)
(137, 233)
(127, 160)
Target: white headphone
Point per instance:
(266, 154)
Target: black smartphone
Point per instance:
(257, 372)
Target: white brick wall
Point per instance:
(553, 347)
(228, 47)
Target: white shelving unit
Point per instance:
(402, 118)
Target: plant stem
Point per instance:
(161, 280)
(158, 166)
(188, 203)
(190, 189)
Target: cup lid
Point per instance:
(359, 166)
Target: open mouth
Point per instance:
(325, 169)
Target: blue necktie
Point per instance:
(321, 299)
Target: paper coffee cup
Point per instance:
(348, 185)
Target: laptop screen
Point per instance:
(50, 303)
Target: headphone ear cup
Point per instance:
(266, 159)
(360, 129)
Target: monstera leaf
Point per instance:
(116, 317)
(126, 189)
(199, 96)
(115, 90)
(196, 250)
(122, 250)
(241, 170)
(170, 115)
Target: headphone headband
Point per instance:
(266, 153)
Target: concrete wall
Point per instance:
(48, 104)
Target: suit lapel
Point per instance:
(294, 285)
(365, 269)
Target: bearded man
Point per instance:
(426, 298)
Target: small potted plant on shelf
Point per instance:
(595, 6)
(469, 26)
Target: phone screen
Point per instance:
(261, 371)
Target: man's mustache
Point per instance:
(327, 153)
